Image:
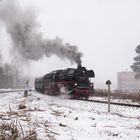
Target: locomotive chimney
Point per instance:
(79, 65)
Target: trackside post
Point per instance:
(26, 91)
(108, 83)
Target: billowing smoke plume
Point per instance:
(22, 26)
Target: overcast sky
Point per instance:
(105, 31)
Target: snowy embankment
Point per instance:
(60, 118)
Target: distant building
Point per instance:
(127, 82)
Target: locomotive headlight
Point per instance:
(91, 85)
(75, 84)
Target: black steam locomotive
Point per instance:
(75, 82)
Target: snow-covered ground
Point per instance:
(63, 119)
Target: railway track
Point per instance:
(97, 101)
(17, 90)
(113, 103)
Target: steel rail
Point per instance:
(113, 103)
(19, 90)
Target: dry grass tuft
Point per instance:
(13, 130)
(9, 130)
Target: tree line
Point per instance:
(12, 77)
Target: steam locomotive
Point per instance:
(73, 81)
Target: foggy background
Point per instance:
(101, 34)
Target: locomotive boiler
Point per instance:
(75, 82)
